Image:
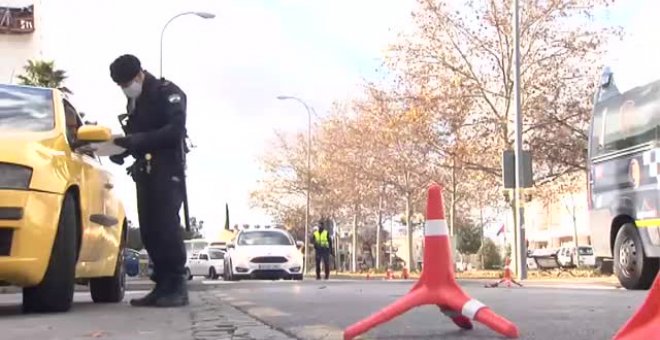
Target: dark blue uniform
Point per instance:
(156, 131)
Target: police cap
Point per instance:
(125, 68)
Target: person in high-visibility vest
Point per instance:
(323, 248)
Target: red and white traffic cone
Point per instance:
(645, 324)
(507, 278)
(404, 273)
(437, 285)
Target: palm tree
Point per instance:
(43, 73)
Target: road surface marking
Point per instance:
(318, 332)
(241, 303)
(265, 312)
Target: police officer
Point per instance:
(155, 132)
(322, 249)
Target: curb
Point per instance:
(545, 282)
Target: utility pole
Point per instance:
(519, 247)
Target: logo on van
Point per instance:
(626, 114)
(634, 173)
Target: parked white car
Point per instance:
(567, 256)
(210, 263)
(263, 254)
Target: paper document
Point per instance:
(106, 149)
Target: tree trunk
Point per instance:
(575, 232)
(481, 217)
(354, 240)
(452, 206)
(379, 227)
(409, 228)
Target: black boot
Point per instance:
(150, 299)
(176, 296)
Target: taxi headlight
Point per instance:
(14, 176)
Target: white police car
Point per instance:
(263, 254)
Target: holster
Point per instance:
(138, 170)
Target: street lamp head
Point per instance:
(205, 15)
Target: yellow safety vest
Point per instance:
(321, 239)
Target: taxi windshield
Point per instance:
(26, 109)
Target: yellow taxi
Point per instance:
(60, 223)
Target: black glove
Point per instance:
(117, 159)
(124, 142)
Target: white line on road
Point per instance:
(318, 332)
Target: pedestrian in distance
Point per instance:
(322, 249)
(155, 129)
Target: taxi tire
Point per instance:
(111, 289)
(297, 277)
(55, 291)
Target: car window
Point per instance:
(216, 254)
(264, 238)
(26, 108)
(586, 251)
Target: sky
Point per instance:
(232, 68)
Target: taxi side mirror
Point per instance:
(93, 134)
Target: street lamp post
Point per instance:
(309, 168)
(519, 238)
(203, 15)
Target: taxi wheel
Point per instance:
(111, 289)
(55, 292)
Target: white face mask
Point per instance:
(134, 90)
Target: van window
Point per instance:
(626, 120)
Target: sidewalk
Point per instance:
(206, 318)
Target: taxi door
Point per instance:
(90, 180)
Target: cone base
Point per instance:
(452, 301)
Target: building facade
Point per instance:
(555, 224)
(21, 36)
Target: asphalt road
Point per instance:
(322, 309)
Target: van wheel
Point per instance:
(631, 266)
(111, 289)
(55, 292)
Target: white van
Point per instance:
(210, 263)
(567, 256)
